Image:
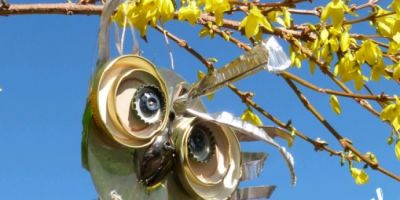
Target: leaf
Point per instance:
(249, 116)
(390, 140)
(334, 102)
(397, 149)
(359, 175)
(213, 60)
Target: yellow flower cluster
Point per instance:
(144, 12)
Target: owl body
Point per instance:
(147, 136)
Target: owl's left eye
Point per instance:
(129, 100)
(149, 103)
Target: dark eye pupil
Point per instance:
(149, 103)
(200, 144)
(198, 141)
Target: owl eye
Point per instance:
(129, 101)
(201, 144)
(208, 158)
(149, 104)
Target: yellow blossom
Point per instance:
(143, 13)
(397, 149)
(369, 52)
(386, 26)
(249, 116)
(253, 22)
(348, 69)
(378, 70)
(217, 7)
(190, 12)
(391, 113)
(344, 41)
(335, 105)
(335, 10)
(395, 5)
(359, 175)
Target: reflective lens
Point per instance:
(201, 144)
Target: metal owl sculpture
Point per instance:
(147, 135)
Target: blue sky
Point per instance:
(45, 66)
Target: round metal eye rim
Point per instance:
(149, 104)
(104, 82)
(201, 144)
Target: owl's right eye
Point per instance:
(201, 144)
(208, 158)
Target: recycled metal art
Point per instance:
(147, 135)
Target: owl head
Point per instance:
(148, 136)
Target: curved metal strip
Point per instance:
(252, 164)
(272, 132)
(104, 38)
(242, 127)
(253, 193)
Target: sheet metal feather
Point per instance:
(252, 165)
(268, 55)
(253, 193)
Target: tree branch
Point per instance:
(52, 8)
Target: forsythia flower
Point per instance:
(190, 12)
(388, 25)
(253, 22)
(378, 70)
(249, 116)
(335, 105)
(335, 9)
(370, 52)
(395, 5)
(359, 175)
(391, 113)
(143, 13)
(217, 7)
(348, 69)
(122, 13)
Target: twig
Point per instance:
(343, 141)
(52, 8)
(379, 98)
(185, 45)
